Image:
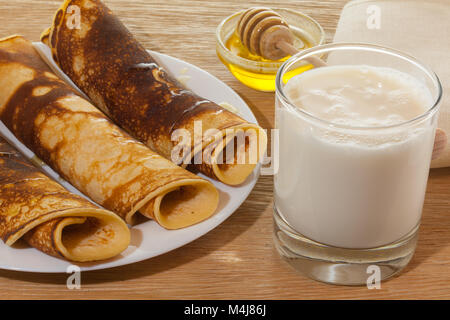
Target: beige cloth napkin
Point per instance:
(418, 27)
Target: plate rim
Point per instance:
(103, 265)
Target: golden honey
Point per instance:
(258, 80)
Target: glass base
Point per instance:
(338, 265)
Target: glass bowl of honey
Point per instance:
(254, 71)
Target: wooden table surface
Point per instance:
(237, 260)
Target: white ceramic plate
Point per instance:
(147, 239)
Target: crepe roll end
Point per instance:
(91, 235)
(236, 157)
(183, 204)
(45, 35)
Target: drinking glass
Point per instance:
(349, 199)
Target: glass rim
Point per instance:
(322, 49)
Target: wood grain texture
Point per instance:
(237, 260)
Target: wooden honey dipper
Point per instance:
(265, 33)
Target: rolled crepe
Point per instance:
(84, 147)
(50, 218)
(122, 79)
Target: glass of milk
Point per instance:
(355, 144)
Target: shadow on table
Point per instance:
(434, 232)
(231, 228)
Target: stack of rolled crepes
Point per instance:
(123, 80)
(85, 148)
(50, 218)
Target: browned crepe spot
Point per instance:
(33, 207)
(78, 140)
(126, 83)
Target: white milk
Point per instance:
(347, 188)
